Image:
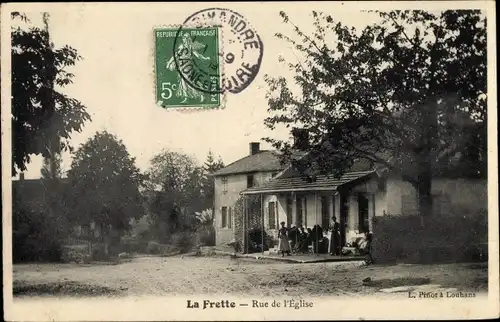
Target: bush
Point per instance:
(153, 248)
(450, 238)
(184, 241)
(255, 241)
(34, 238)
(75, 253)
(207, 235)
(99, 252)
(131, 246)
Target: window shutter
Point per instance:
(224, 217)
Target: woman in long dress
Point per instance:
(283, 245)
(335, 238)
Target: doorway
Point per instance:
(289, 210)
(344, 210)
(363, 220)
(299, 220)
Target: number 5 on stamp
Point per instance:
(187, 67)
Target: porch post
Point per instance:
(244, 234)
(370, 223)
(262, 217)
(316, 207)
(316, 211)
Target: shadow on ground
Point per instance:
(61, 289)
(396, 282)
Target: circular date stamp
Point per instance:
(240, 51)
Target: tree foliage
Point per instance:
(407, 93)
(179, 191)
(174, 191)
(51, 167)
(210, 167)
(105, 183)
(43, 117)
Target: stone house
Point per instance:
(258, 167)
(354, 199)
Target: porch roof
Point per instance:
(322, 183)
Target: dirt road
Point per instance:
(224, 275)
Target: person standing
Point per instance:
(284, 244)
(335, 238)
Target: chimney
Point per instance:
(254, 148)
(21, 176)
(300, 139)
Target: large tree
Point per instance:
(105, 184)
(43, 117)
(174, 192)
(408, 93)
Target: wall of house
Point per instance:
(375, 192)
(281, 213)
(463, 195)
(235, 184)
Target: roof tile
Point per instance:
(298, 183)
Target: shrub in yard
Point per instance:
(255, 240)
(75, 253)
(134, 246)
(185, 241)
(99, 252)
(444, 238)
(153, 248)
(207, 235)
(34, 238)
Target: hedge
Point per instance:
(450, 238)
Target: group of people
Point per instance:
(299, 239)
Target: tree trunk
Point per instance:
(425, 158)
(424, 199)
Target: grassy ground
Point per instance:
(225, 275)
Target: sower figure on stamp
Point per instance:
(185, 51)
(335, 238)
(284, 244)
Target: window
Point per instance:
(382, 185)
(289, 210)
(440, 203)
(299, 206)
(325, 218)
(224, 217)
(305, 212)
(363, 219)
(272, 215)
(250, 181)
(409, 205)
(224, 184)
(230, 217)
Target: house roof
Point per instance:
(300, 184)
(29, 193)
(265, 160)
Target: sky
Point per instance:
(115, 80)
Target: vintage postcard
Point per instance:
(249, 161)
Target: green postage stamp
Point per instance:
(187, 67)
